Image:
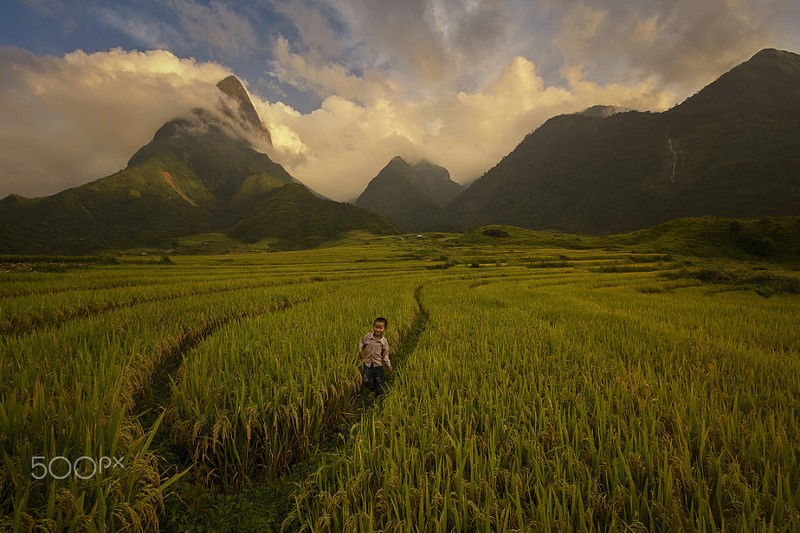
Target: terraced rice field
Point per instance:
(534, 390)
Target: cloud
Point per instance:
(226, 31)
(213, 28)
(314, 27)
(458, 82)
(68, 120)
(404, 35)
(142, 28)
(683, 44)
(46, 8)
(428, 44)
(339, 147)
(326, 79)
(451, 45)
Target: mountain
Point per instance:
(412, 196)
(730, 150)
(299, 219)
(244, 110)
(199, 174)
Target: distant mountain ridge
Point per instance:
(730, 150)
(198, 174)
(603, 111)
(412, 196)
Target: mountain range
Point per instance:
(199, 174)
(730, 150)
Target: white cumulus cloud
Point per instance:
(337, 148)
(67, 120)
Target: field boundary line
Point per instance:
(145, 405)
(18, 325)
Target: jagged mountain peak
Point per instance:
(422, 173)
(246, 112)
(429, 169)
(433, 171)
(216, 138)
(411, 195)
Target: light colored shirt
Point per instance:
(374, 352)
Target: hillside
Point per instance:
(728, 151)
(772, 239)
(298, 219)
(412, 196)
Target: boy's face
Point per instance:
(378, 328)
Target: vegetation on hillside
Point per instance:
(728, 151)
(182, 184)
(412, 196)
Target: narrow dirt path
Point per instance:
(364, 404)
(365, 401)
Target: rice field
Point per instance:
(534, 390)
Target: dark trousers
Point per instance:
(373, 378)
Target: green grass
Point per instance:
(773, 239)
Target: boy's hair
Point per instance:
(381, 319)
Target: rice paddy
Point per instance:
(536, 389)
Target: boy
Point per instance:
(374, 352)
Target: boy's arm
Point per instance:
(386, 360)
(361, 345)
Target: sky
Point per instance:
(345, 85)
